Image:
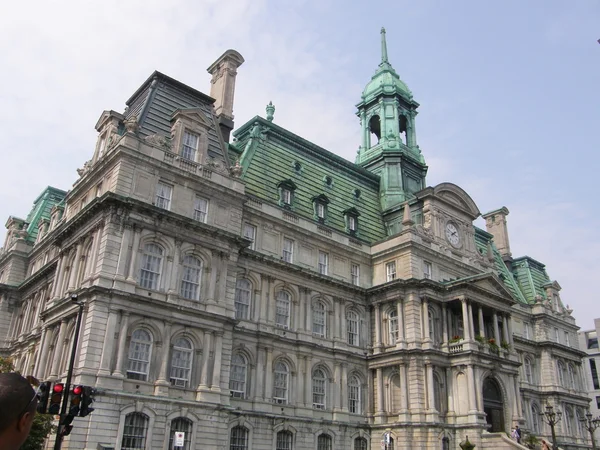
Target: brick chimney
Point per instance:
(222, 89)
(495, 222)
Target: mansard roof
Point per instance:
(41, 209)
(160, 97)
(531, 277)
(271, 154)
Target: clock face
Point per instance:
(452, 234)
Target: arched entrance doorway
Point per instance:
(493, 405)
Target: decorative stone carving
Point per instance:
(236, 170)
(270, 111)
(132, 125)
(85, 169)
(160, 141)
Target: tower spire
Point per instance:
(384, 55)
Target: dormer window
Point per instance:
(351, 216)
(189, 146)
(352, 223)
(320, 205)
(320, 210)
(286, 193)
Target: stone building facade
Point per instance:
(588, 342)
(265, 293)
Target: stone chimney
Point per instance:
(495, 222)
(222, 89)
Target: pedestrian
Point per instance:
(513, 434)
(518, 434)
(18, 403)
(545, 445)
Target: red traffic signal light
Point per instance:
(77, 390)
(76, 399)
(56, 398)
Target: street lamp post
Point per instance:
(591, 425)
(552, 417)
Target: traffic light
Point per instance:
(44, 396)
(56, 398)
(66, 425)
(76, 395)
(87, 399)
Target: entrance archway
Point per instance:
(493, 405)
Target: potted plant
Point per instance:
(493, 346)
(455, 339)
(505, 345)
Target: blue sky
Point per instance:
(509, 95)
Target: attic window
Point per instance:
(328, 181)
(351, 218)
(297, 166)
(286, 193)
(189, 146)
(320, 205)
(357, 193)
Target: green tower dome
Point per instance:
(385, 80)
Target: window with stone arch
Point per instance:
(535, 418)
(319, 388)
(438, 393)
(284, 440)
(579, 419)
(238, 376)
(140, 351)
(560, 368)
(135, 431)
(354, 395)
(569, 421)
(352, 328)
(238, 438)
(283, 303)
(571, 375)
(191, 277)
(528, 367)
(243, 292)
(324, 442)
(319, 318)
(181, 362)
(393, 327)
(374, 130)
(432, 322)
(281, 382)
(184, 425)
(361, 443)
(151, 267)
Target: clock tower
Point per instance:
(389, 147)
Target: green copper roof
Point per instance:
(531, 276)
(271, 155)
(385, 80)
(41, 209)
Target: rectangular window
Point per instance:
(557, 335)
(286, 196)
(594, 373)
(323, 263)
(567, 339)
(288, 250)
(390, 271)
(320, 210)
(163, 195)
(190, 145)
(200, 209)
(355, 274)
(250, 233)
(526, 330)
(427, 272)
(351, 223)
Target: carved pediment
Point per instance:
(196, 115)
(453, 195)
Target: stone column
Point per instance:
(471, 324)
(450, 390)
(94, 256)
(516, 396)
(256, 304)
(444, 325)
(400, 313)
(108, 344)
(377, 326)
(166, 347)
(404, 387)
(269, 374)
(58, 275)
(481, 324)
(39, 365)
(123, 252)
(58, 349)
(301, 310)
(119, 369)
(308, 313)
(216, 381)
(75, 268)
(205, 355)
(379, 375)
(135, 252)
(496, 329)
(472, 389)
(173, 280)
(344, 387)
(466, 321)
(296, 319)
(425, 316)
(510, 333)
(336, 315)
(260, 375)
(430, 388)
(307, 382)
(337, 388)
(505, 337)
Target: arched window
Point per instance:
(319, 389)
(284, 440)
(281, 383)
(237, 379)
(184, 425)
(580, 417)
(181, 362)
(353, 328)
(243, 290)
(140, 350)
(151, 266)
(393, 327)
(318, 318)
(135, 431)
(569, 421)
(238, 439)
(374, 130)
(571, 372)
(282, 310)
(438, 389)
(390, 444)
(324, 442)
(535, 418)
(354, 395)
(361, 444)
(432, 322)
(528, 371)
(190, 280)
(561, 373)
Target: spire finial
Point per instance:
(384, 55)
